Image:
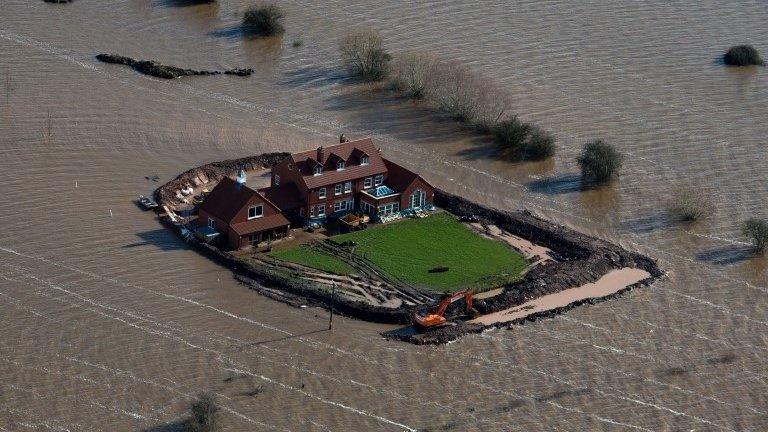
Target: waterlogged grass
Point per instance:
(407, 250)
(310, 257)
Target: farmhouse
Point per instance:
(312, 186)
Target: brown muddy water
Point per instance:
(110, 322)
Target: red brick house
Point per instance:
(312, 186)
(241, 216)
(351, 176)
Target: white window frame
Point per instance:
(318, 170)
(255, 216)
(368, 182)
(364, 160)
(211, 223)
(388, 209)
(312, 211)
(321, 210)
(340, 165)
(422, 199)
(337, 189)
(277, 179)
(378, 180)
(321, 193)
(348, 187)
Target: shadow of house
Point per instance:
(557, 185)
(726, 255)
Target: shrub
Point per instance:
(263, 20)
(599, 162)
(757, 231)
(742, 55)
(516, 140)
(411, 72)
(362, 52)
(690, 204)
(204, 414)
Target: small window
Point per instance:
(312, 211)
(348, 187)
(337, 189)
(255, 239)
(340, 165)
(211, 223)
(321, 210)
(379, 180)
(318, 170)
(255, 211)
(364, 160)
(290, 167)
(277, 179)
(321, 193)
(368, 182)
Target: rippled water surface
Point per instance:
(111, 323)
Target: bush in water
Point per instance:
(363, 53)
(263, 20)
(599, 162)
(743, 55)
(757, 231)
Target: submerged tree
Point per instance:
(690, 204)
(516, 140)
(411, 73)
(757, 231)
(600, 162)
(204, 414)
(743, 55)
(263, 20)
(363, 53)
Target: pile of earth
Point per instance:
(155, 69)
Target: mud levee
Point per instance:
(580, 259)
(284, 286)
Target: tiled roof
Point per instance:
(350, 152)
(260, 224)
(400, 178)
(285, 196)
(226, 199)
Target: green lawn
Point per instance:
(406, 250)
(309, 257)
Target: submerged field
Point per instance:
(408, 249)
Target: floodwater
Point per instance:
(109, 322)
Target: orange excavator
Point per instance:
(435, 316)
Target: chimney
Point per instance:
(241, 177)
(342, 139)
(320, 155)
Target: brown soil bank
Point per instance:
(158, 70)
(579, 260)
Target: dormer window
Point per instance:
(256, 211)
(339, 165)
(364, 160)
(318, 170)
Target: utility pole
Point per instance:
(333, 300)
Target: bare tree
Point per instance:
(411, 72)
(690, 204)
(363, 53)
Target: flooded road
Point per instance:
(109, 322)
